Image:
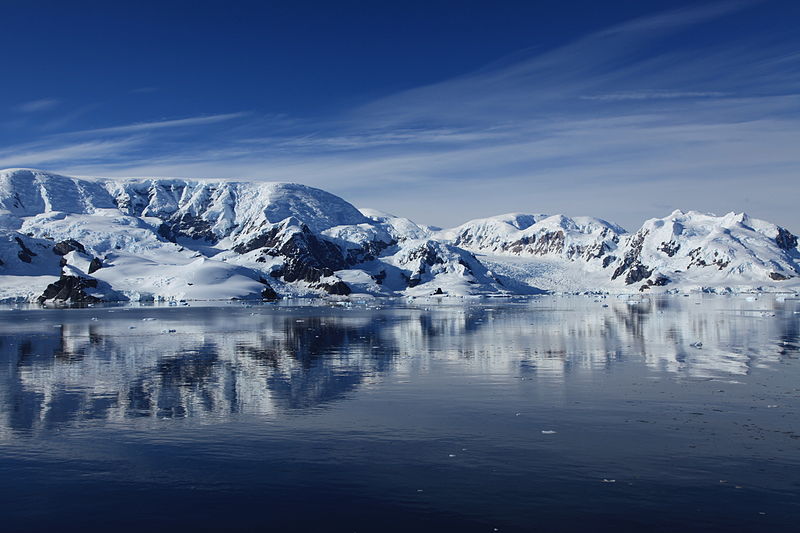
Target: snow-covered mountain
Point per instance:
(84, 240)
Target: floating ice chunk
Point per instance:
(697, 344)
(548, 432)
(148, 319)
(609, 480)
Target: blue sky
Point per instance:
(439, 111)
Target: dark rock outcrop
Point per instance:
(379, 277)
(670, 248)
(307, 257)
(95, 265)
(67, 246)
(636, 271)
(658, 281)
(368, 252)
(427, 254)
(697, 261)
(785, 240)
(25, 254)
(70, 289)
(187, 225)
(778, 277)
(338, 288)
(268, 293)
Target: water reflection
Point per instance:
(62, 367)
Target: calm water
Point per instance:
(551, 414)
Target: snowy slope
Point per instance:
(557, 236)
(83, 240)
(696, 250)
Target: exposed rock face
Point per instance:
(631, 263)
(336, 287)
(95, 265)
(716, 260)
(368, 251)
(25, 254)
(421, 259)
(778, 277)
(67, 246)
(574, 239)
(268, 293)
(637, 272)
(187, 225)
(70, 289)
(307, 256)
(670, 248)
(656, 281)
(785, 240)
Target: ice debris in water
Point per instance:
(697, 344)
(548, 432)
(609, 480)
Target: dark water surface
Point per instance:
(550, 414)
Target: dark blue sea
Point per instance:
(553, 413)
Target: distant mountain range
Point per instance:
(88, 240)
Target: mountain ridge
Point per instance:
(177, 239)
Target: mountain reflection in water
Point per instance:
(60, 367)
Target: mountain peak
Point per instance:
(173, 238)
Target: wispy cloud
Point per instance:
(654, 95)
(679, 18)
(39, 154)
(38, 105)
(614, 124)
(163, 124)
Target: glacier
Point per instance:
(86, 240)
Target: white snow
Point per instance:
(179, 239)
